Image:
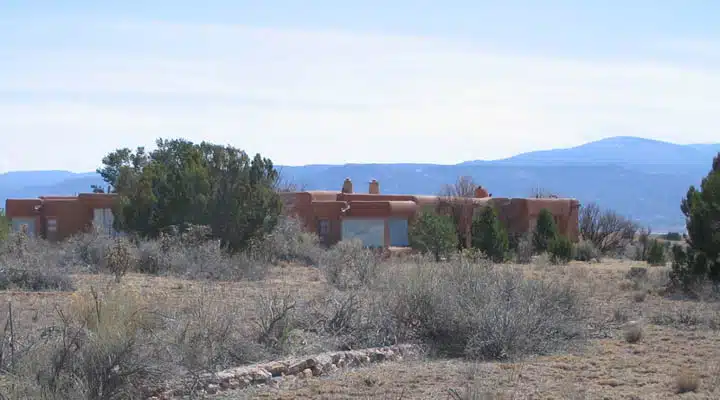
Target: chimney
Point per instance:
(374, 187)
(347, 186)
(481, 193)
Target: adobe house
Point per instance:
(59, 217)
(382, 220)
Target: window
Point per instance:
(323, 227)
(52, 225)
(371, 232)
(24, 225)
(103, 220)
(398, 232)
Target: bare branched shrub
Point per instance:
(208, 333)
(639, 296)
(524, 249)
(351, 319)
(687, 381)
(120, 258)
(192, 258)
(689, 317)
(154, 257)
(349, 265)
(29, 264)
(86, 251)
(97, 352)
(633, 332)
(474, 392)
(483, 311)
(542, 193)
(464, 187)
(36, 279)
(643, 244)
(274, 320)
(455, 200)
(290, 243)
(586, 251)
(607, 230)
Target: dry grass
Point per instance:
(608, 367)
(633, 332)
(184, 325)
(687, 381)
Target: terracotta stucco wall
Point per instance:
(518, 215)
(24, 208)
(73, 214)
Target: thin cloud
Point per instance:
(303, 96)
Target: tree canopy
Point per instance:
(433, 233)
(545, 231)
(182, 183)
(701, 207)
(4, 225)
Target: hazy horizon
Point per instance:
(394, 162)
(328, 83)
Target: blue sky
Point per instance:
(331, 82)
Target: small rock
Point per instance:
(322, 363)
(259, 375)
(277, 369)
(297, 367)
(336, 357)
(212, 388)
(307, 373)
(222, 376)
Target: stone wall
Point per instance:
(273, 372)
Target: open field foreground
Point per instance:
(677, 349)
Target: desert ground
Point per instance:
(641, 341)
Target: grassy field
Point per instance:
(541, 331)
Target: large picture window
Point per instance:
(24, 225)
(371, 232)
(398, 232)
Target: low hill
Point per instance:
(644, 179)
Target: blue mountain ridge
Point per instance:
(642, 178)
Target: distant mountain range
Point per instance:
(644, 179)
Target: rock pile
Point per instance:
(273, 372)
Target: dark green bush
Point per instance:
(561, 250)
(545, 231)
(489, 236)
(656, 253)
(433, 233)
(701, 259)
(4, 225)
(673, 236)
